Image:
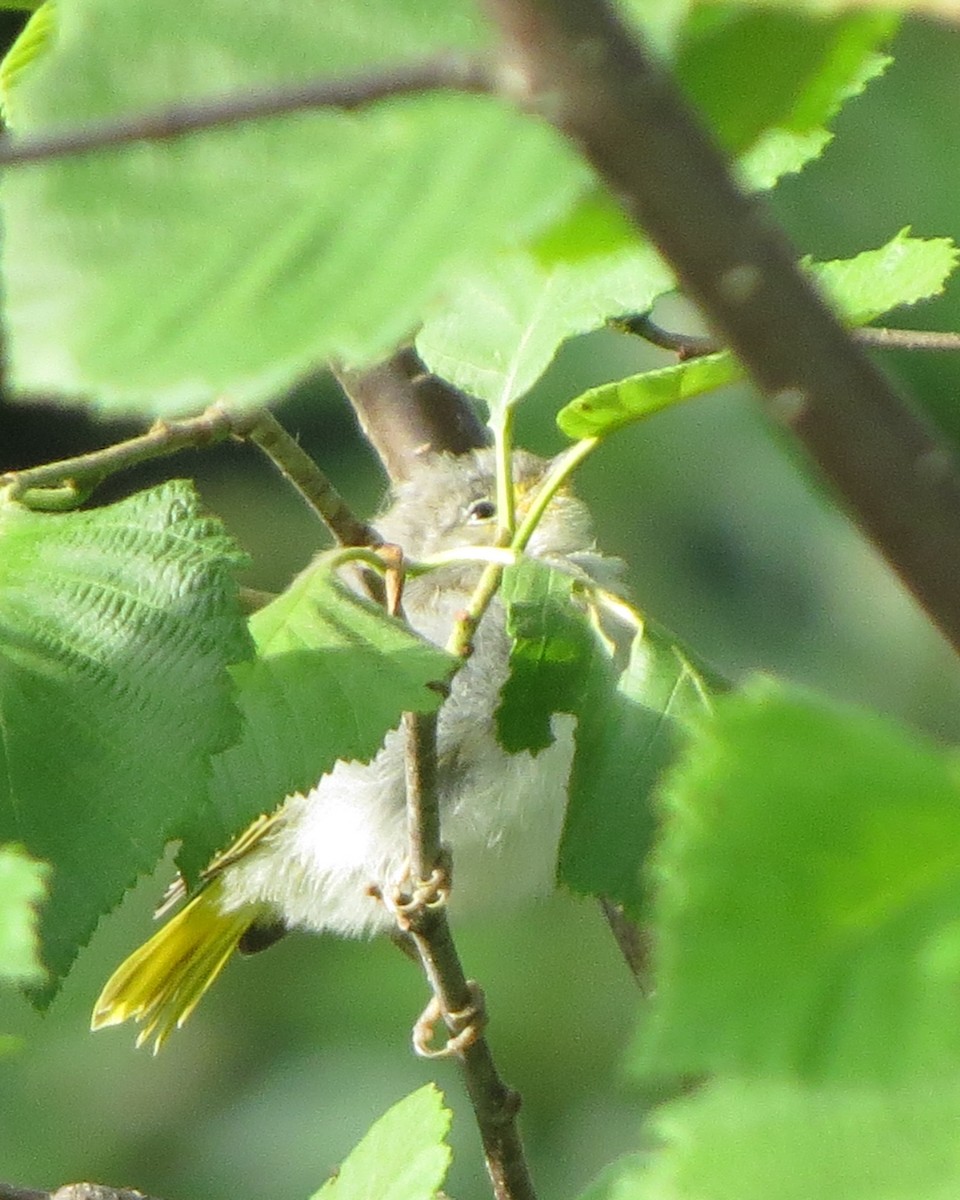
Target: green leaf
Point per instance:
(626, 723)
(901, 272)
(751, 1141)
(332, 674)
(500, 329)
(252, 253)
(557, 662)
(627, 736)
(790, 69)
(22, 887)
(808, 918)
(403, 1156)
(778, 152)
(497, 331)
(601, 410)
(33, 39)
(116, 628)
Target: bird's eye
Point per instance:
(481, 510)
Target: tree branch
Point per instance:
(455, 998)
(71, 1191)
(299, 469)
(405, 411)
(454, 72)
(85, 472)
(692, 345)
(576, 63)
(67, 482)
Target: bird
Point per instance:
(320, 861)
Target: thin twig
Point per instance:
(423, 812)
(447, 71)
(299, 469)
(86, 471)
(692, 345)
(71, 1191)
(495, 1105)
(72, 479)
(684, 345)
(580, 67)
(907, 339)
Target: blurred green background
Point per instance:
(730, 543)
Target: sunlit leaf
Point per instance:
(403, 1156)
(155, 277)
(22, 887)
(332, 674)
(808, 917)
(627, 723)
(116, 628)
(901, 272)
(751, 1141)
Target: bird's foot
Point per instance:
(409, 899)
(465, 1026)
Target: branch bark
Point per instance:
(302, 473)
(456, 999)
(67, 483)
(70, 1191)
(405, 412)
(576, 63)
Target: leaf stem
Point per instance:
(506, 496)
(559, 472)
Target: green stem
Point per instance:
(506, 498)
(461, 639)
(51, 485)
(299, 470)
(560, 470)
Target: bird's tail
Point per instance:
(162, 982)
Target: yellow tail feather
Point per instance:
(162, 982)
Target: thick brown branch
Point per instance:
(449, 71)
(405, 412)
(576, 63)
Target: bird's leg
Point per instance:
(414, 904)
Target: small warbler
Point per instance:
(318, 861)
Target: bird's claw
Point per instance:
(465, 1026)
(410, 898)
